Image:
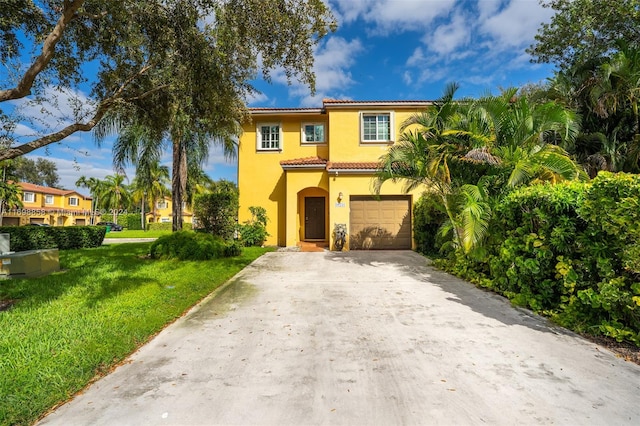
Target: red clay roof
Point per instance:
(352, 165)
(349, 101)
(30, 187)
(307, 161)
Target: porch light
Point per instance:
(340, 196)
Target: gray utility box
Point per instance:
(4, 243)
(30, 263)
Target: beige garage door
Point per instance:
(380, 224)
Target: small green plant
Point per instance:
(254, 231)
(188, 245)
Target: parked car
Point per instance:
(37, 224)
(112, 226)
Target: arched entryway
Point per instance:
(313, 211)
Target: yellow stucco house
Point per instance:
(164, 214)
(312, 168)
(49, 206)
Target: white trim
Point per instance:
(259, 127)
(392, 128)
(77, 201)
(303, 132)
(32, 196)
(46, 197)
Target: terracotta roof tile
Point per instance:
(352, 165)
(307, 161)
(30, 187)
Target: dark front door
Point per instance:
(314, 218)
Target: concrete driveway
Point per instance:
(363, 338)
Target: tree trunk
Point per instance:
(144, 228)
(178, 182)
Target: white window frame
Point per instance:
(378, 139)
(259, 127)
(162, 204)
(29, 197)
(165, 220)
(303, 133)
(48, 199)
(73, 200)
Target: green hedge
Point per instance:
(61, 237)
(571, 251)
(130, 221)
(167, 226)
(189, 245)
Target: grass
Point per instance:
(68, 327)
(136, 234)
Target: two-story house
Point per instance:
(49, 206)
(163, 213)
(312, 168)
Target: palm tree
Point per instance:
(618, 88)
(455, 143)
(9, 197)
(115, 194)
(94, 185)
(150, 184)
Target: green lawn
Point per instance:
(68, 327)
(136, 234)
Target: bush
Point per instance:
(168, 226)
(569, 250)
(428, 216)
(188, 245)
(217, 213)
(23, 238)
(254, 231)
(126, 220)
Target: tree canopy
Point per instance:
(39, 172)
(126, 47)
(582, 30)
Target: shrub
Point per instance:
(61, 237)
(188, 245)
(428, 217)
(126, 220)
(217, 213)
(167, 226)
(254, 231)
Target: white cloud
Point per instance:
(392, 15)
(446, 38)
(516, 24)
(331, 68)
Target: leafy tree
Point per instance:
(138, 47)
(457, 145)
(217, 211)
(39, 172)
(582, 30)
(9, 197)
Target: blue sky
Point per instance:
(382, 50)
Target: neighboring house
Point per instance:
(49, 206)
(163, 213)
(311, 168)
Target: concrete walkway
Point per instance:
(362, 338)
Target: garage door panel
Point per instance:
(383, 223)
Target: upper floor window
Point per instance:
(48, 199)
(162, 204)
(269, 136)
(313, 133)
(376, 126)
(73, 201)
(28, 197)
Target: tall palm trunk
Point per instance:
(178, 181)
(142, 221)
